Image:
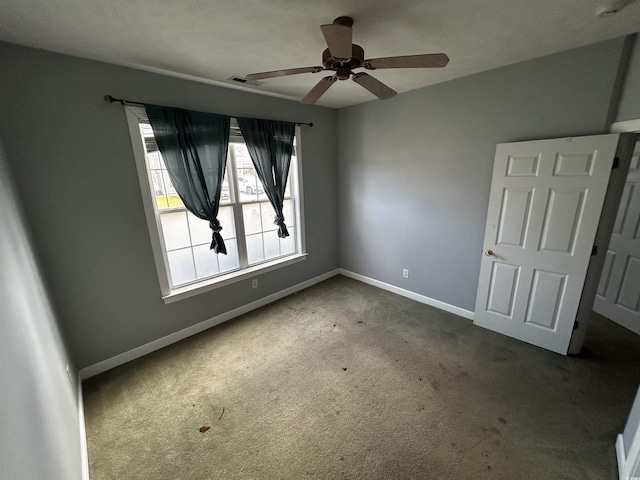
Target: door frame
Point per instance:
(612, 200)
(604, 301)
(628, 465)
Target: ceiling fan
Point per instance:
(343, 57)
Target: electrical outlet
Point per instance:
(405, 273)
(254, 283)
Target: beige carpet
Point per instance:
(346, 381)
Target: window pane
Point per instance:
(206, 261)
(200, 231)
(268, 216)
(156, 180)
(248, 186)
(229, 261)
(287, 245)
(168, 184)
(243, 159)
(271, 245)
(287, 190)
(294, 160)
(255, 252)
(166, 196)
(252, 223)
(248, 183)
(287, 211)
(225, 194)
(173, 201)
(157, 185)
(181, 266)
(154, 160)
(162, 203)
(225, 217)
(175, 230)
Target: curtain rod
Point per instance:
(122, 101)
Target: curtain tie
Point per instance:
(217, 243)
(215, 226)
(282, 228)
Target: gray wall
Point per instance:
(38, 403)
(74, 168)
(415, 171)
(629, 108)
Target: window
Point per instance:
(181, 240)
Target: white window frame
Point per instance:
(134, 116)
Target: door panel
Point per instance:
(514, 217)
(606, 272)
(562, 219)
(574, 164)
(544, 209)
(629, 295)
(625, 206)
(547, 291)
(523, 166)
(618, 296)
(504, 279)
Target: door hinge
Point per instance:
(594, 250)
(575, 325)
(616, 163)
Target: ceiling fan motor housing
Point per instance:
(343, 67)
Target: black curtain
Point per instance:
(270, 145)
(194, 148)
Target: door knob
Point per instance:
(489, 253)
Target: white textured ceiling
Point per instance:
(212, 40)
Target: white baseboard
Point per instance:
(84, 452)
(409, 294)
(154, 345)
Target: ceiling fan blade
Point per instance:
(429, 60)
(338, 38)
(282, 73)
(374, 85)
(316, 92)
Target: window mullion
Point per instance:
(238, 214)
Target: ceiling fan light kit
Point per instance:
(342, 57)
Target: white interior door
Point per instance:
(544, 209)
(618, 296)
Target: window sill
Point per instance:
(237, 276)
